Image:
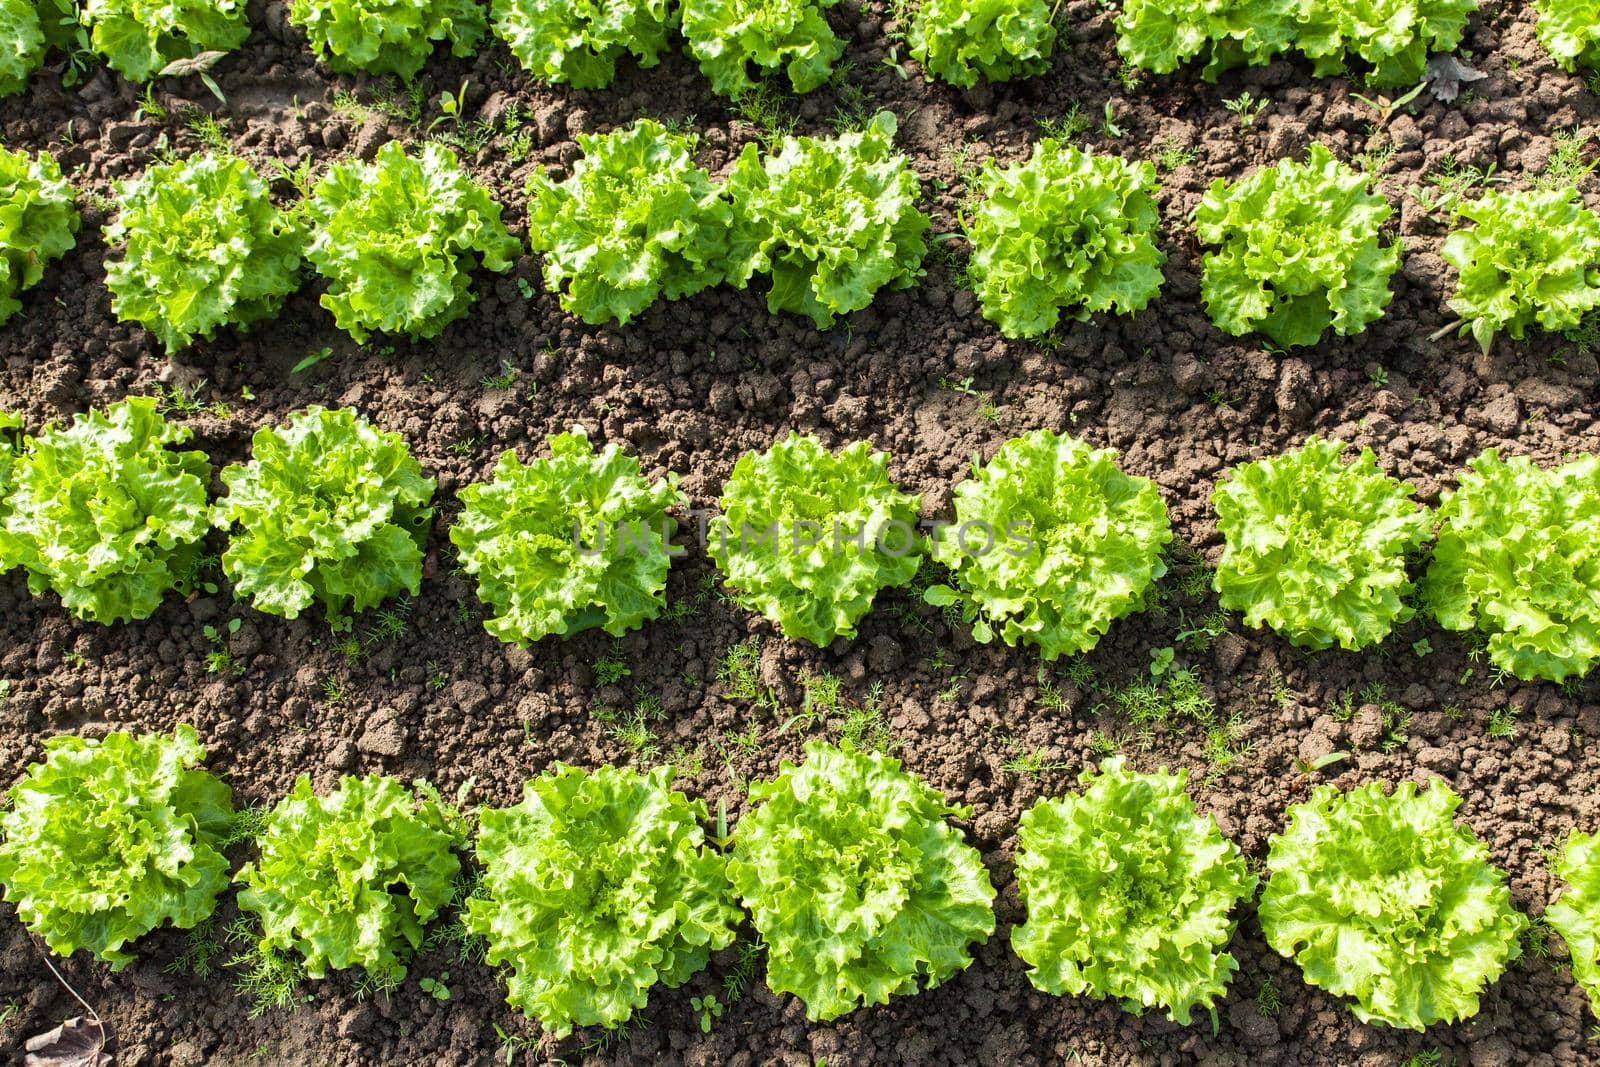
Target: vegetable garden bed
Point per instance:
(418, 688)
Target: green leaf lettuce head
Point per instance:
(22, 44)
(106, 514)
(1130, 894)
(596, 888)
(808, 537)
(1300, 251)
(1518, 559)
(10, 449)
(1384, 899)
(38, 221)
(1390, 40)
(1316, 548)
(140, 37)
(727, 36)
(205, 247)
(351, 878)
(399, 238)
(636, 220)
(831, 220)
(1161, 35)
(959, 40)
(856, 882)
(330, 510)
(1575, 913)
(568, 543)
(578, 42)
(1528, 258)
(387, 36)
(106, 840)
(1066, 231)
(1051, 544)
(1570, 32)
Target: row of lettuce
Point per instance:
(600, 886)
(1295, 249)
(738, 42)
(1050, 542)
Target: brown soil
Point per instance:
(689, 386)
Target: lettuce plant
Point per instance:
(1384, 899)
(205, 247)
(106, 840)
(636, 220)
(22, 44)
(578, 42)
(350, 879)
(1391, 39)
(808, 537)
(1130, 894)
(1527, 258)
(959, 40)
(1051, 544)
(1316, 548)
(730, 37)
(106, 513)
(1575, 913)
(831, 219)
(399, 238)
(329, 509)
(568, 543)
(38, 221)
(387, 36)
(1066, 231)
(596, 888)
(140, 37)
(1570, 32)
(1300, 251)
(10, 449)
(856, 882)
(1518, 559)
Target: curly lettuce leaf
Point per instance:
(1570, 32)
(1384, 899)
(578, 42)
(1130, 894)
(106, 514)
(205, 247)
(106, 840)
(387, 36)
(1316, 548)
(831, 219)
(1575, 913)
(596, 888)
(22, 44)
(856, 882)
(10, 449)
(330, 510)
(1300, 251)
(960, 40)
(140, 37)
(38, 221)
(808, 537)
(1160, 35)
(727, 36)
(636, 220)
(1518, 559)
(1066, 231)
(564, 544)
(1391, 39)
(399, 238)
(1051, 544)
(350, 879)
(1528, 258)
